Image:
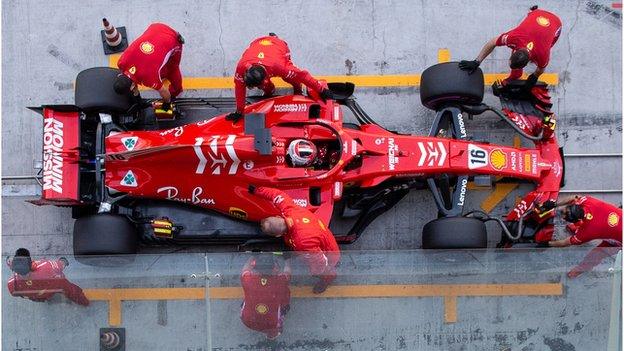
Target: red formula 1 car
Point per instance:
(131, 171)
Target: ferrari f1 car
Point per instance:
(134, 173)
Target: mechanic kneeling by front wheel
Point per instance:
(454, 233)
(105, 239)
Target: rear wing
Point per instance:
(61, 155)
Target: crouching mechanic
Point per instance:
(41, 280)
(531, 41)
(266, 294)
(149, 60)
(590, 219)
(268, 57)
(302, 231)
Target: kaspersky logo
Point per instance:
(130, 142)
(129, 180)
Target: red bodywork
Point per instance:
(212, 162)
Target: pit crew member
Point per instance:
(591, 219)
(268, 57)
(41, 280)
(302, 231)
(531, 40)
(149, 60)
(266, 294)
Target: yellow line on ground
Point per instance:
(444, 55)
(362, 81)
(450, 309)
(501, 190)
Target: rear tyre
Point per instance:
(454, 233)
(94, 91)
(446, 84)
(105, 240)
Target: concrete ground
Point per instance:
(46, 44)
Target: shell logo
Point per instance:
(613, 219)
(543, 21)
(498, 159)
(147, 47)
(262, 308)
(266, 42)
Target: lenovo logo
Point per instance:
(52, 155)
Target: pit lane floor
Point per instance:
(384, 300)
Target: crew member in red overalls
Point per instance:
(591, 219)
(268, 57)
(40, 280)
(149, 60)
(529, 41)
(302, 231)
(266, 294)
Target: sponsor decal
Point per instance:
(261, 55)
(171, 193)
(556, 167)
(262, 308)
(301, 202)
(305, 220)
(589, 216)
(177, 131)
(52, 155)
(132, 70)
(477, 157)
(462, 192)
(147, 47)
(266, 42)
(237, 213)
(380, 141)
(129, 180)
(462, 126)
(613, 219)
(392, 150)
(521, 208)
(290, 108)
(498, 159)
(248, 165)
(337, 190)
(527, 162)
(543, 21)
(432, 153)
(534, 163)
(278, 199)
(129, 142)
(530, 46)
(514, 161)
(204, 122)
(264, 281)
(280, 159)
(353, 147)
(336, 112)
(345, 147)
(219, 161)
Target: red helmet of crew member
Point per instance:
(301, 152)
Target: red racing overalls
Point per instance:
(537, 33)
(46, 279)
(306, 233)
(274, 55)
(602, 221)
(153, 57)
(266, 301)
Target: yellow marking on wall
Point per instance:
(444, 55)
(449, 293)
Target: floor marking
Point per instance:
(361, 81)
(449, 293)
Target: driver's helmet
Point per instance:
(301, 152)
